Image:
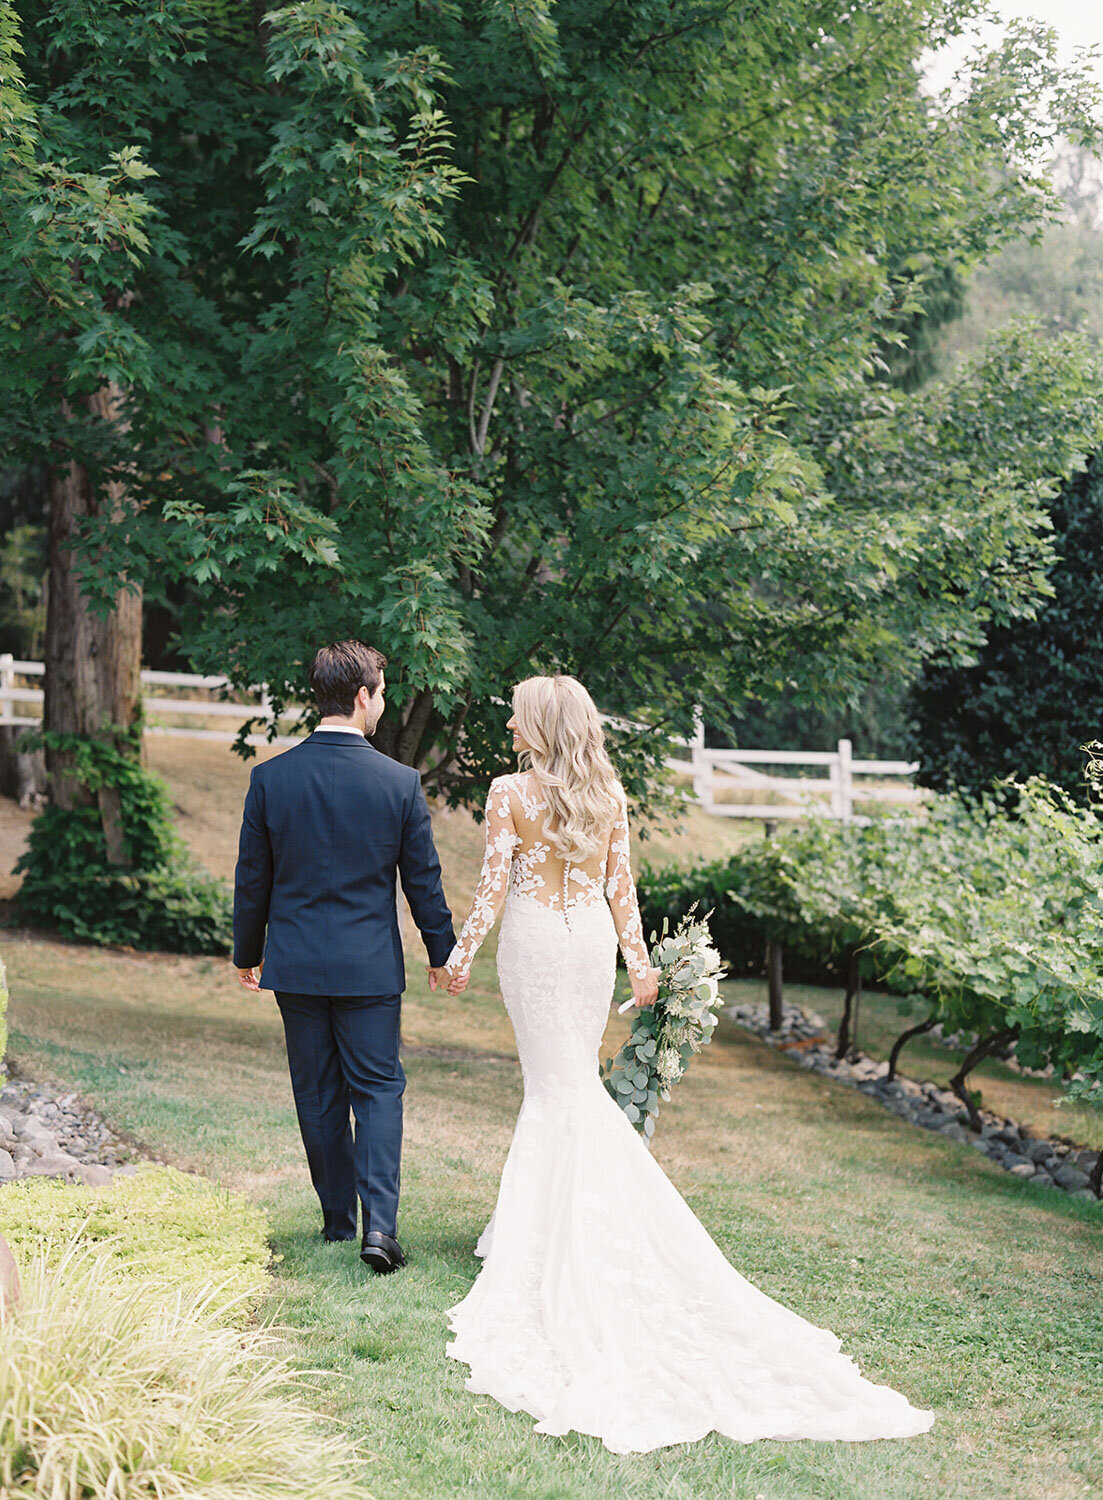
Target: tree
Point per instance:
(1055, 276)
(545, 313)
(1031, 697)
(73, 239)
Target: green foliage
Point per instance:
(473, 331)
(995, 921)
(1030, 696)
(158, 900)
(131, 1364)
(728, 889)
(23, 590)
(1055, 277)
(665, 1035)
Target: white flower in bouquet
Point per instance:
(669, 1064)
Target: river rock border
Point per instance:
(43, 1134)
(805, 1037)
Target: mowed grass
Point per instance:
(948, 1279)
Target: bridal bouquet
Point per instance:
(667, 1034)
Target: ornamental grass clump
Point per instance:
(667, 1034)
(131, 1388)
(205, 1236)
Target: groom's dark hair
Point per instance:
(338, 672)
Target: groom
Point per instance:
(326, 827)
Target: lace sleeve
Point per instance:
(620, 891)
(501, 840)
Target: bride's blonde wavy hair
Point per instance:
(558, 718)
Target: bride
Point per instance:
(603, 1306)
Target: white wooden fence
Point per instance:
(13, 697)
(716, 774)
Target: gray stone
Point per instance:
(1037, 1150)
(44, 1144)
(57, 1164)
(94, 1175)
(1085, 1195)
(931, 1119)
(1022, 1169)
(1085, 1160)
(1013, 1162)
(7, 1167)
(982, 1145)
(1010, 1140)
(1071, 1178)
(957, 1132)
(1042, 1179)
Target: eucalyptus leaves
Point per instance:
(667, 1034)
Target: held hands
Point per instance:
(250, 978)
(455, 982)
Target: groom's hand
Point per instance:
(250, 978)
(443, 979)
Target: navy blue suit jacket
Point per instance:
(327, 826)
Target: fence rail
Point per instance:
(714, 773)
(215, 708)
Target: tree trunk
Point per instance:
(906, 1036)
(775, 983)
(983, 1048)
(93, 665)
(848, 1026)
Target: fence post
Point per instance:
(7, 682)
(774, 959)
(846, 781)
(702, 778)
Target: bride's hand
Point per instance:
(645, 987)
(457, 981)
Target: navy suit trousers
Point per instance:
(342, 1051)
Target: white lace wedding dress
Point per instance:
(603, 1306)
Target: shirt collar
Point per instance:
(339, 729)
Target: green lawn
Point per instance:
(947, 1278)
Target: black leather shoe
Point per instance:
(381, 1252)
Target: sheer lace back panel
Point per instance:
(521, 860)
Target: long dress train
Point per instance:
(603, 1306)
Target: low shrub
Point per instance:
(158, 900)
(733, 890)
(132, 1367)
(992, 920)
(140, 1387)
